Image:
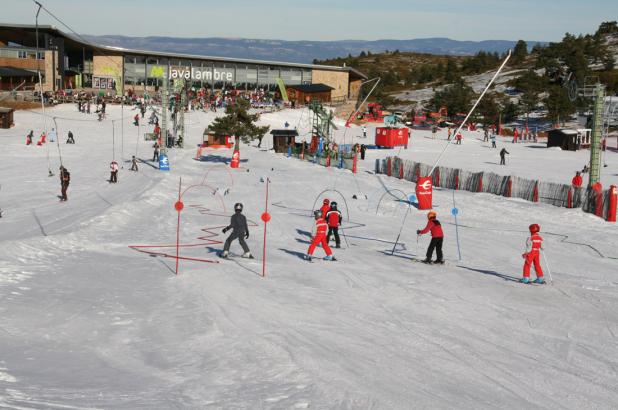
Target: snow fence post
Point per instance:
(480, 184)
(377, 166)
(354, 163)
(389, 165)
(613, 200)
(535, 193)
(598, 211)
(509, 187)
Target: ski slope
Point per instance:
(86, 322)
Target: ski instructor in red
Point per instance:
(321, 228)
(437, 237)
(534, 245)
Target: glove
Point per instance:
(523, 255)
(418, 231)
(224, 230)
(247, 235)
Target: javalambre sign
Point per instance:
(200, 73)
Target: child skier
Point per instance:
(325, 206)
(240, 231)
(321, 228)
(333, 217)
(65, 180)
(534, 246)
(133, 163)
(113, 178)
(136, 120)
(437, 237)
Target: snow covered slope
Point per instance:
(87, 322)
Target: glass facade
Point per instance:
(215, 75)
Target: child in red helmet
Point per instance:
(534, 245)
(437, 237)
(325, 206)
(321, 227)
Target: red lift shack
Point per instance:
(388, 137)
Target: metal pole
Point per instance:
(401, 229)
(38, 70)
(178, 227)
(265, 223)
(471, 111)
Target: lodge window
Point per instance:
(22, 54)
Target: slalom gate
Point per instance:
(599, 203)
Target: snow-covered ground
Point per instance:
(87, 322)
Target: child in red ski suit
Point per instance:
(534, 245)
(437, 237)
(321, 228)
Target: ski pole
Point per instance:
(548, 268)
(417, 239)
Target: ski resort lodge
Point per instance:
(67, 61)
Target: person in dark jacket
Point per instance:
(437, 237)
(240, 231)
(70, 139)
(363, 148)
(65, 179)
(503, 152)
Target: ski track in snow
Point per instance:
(88, 323)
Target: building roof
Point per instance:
(15, 72)
(285, 133)
(6, 110)
(81, 41)
(312, 88)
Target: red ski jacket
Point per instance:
(435, 228)
(577, 181)
(321, 227)
(325, 208)
(334, 218)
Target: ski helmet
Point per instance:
(431, 215)
(326, 201)
(333, 205)
(317, 214)
(534, 228)
(238, 207)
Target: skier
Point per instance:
(485, 134)
(65, 179)
(334, 218)
(155, 155)
(363, 149)
(136, 120)
(70, 139)
(577, 180)
(240, 231)
(113, 166)
(325, 206)
(493, 140)
(321, 228)
(133, 163)
(437, 237)
(52, 135)
(503, 152)
(534, 246)
(29, 137)
(458, 138)
(364, 128)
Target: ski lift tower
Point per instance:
(322, 121)
(594, 90)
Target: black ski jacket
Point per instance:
(238, 224)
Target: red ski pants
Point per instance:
(319, 239)
(533, 257)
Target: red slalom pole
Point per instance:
(265, 218)
(178, 206)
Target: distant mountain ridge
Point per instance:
(300, 51)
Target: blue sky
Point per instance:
(544, 20)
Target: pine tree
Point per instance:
(238, 123)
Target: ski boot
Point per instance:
(307, 258)
(338, 246)
(540, 281)
(329, 258)
(439, 261)
(525, 280)
(427, 261)
(224, 254)
(247, 255)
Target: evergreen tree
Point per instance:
(520, 52)
(238, 123)
(558, 104)
(455, 97)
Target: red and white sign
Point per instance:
(424, 192)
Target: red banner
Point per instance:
(424, 192)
